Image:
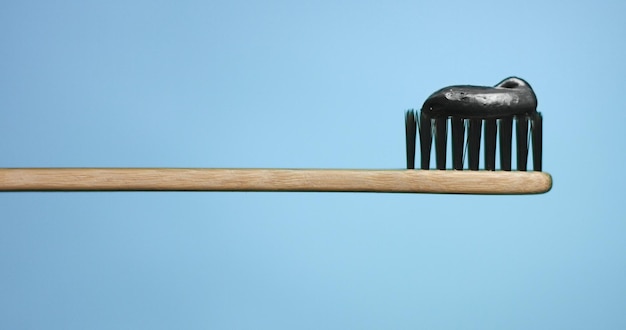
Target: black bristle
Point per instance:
(490, 144)
(506, 134)
(537, 140)
(411, 130)
(458, 139)
(521, 135)
(441, 135)
(473, 141)
(425, 131)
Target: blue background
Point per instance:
(305, 84)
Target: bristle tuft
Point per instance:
(506, 136)
(425, 131)
(490, 144)
(411, 130)
(537, 140)
(521, 131)
(473, 138)
(441, 141)
(458, 140)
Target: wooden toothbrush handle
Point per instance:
(312, 180)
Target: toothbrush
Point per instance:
(466, 107)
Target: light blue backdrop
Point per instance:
(305, 84)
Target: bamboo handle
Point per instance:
(314, 180)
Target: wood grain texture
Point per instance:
(312, 180)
